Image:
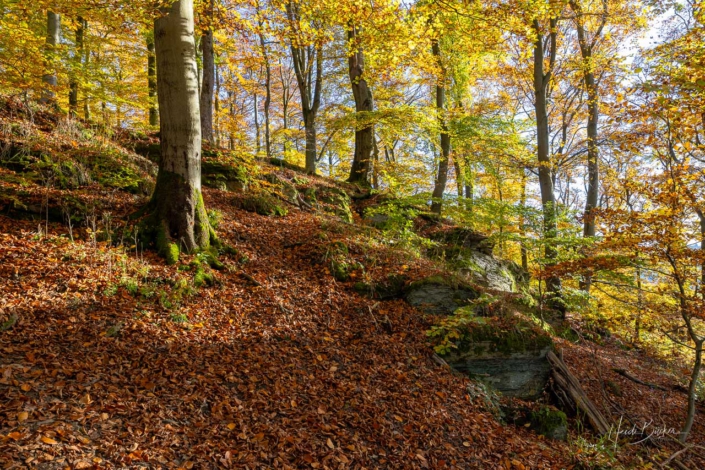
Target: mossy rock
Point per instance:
(390, 288)
(340, 270)
(336, 202)
(263, 203)
(507, 354)
(465, 238)
(550, 423)
(287, 190)
(439, 295)
(231, 176)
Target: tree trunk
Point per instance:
(49, 77)
(522, 225)
(593, 105)
(459, 177)
(77, 61)
(178, 219)
(310, 133)
(152, 80)
(692, 390)
(307, 60)
(442, 177)
(548, 200)
(216, 109)
(364, 137)
(267, 93)
(206, 98)
(86, 98)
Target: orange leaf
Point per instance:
(48, 440)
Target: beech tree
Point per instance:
(177, 219)
(208, 81)
(53, 38)
(364, 137)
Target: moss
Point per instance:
(338, 202)
(165, 248)
(263, 203)
(203, 278)
(508, 339)
(549, 422)
(340, 270)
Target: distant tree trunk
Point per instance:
(375, 163)
(267, 89)
(208, 60)
(442, 177)
(152, 80)
(593, 105)
(257, 134)
(49, 77)
(216, 109)
(286, 96)
(459, 177)
(77, 61)
(307, 61)
(542, 80)
(86, 97)
(364, 137)
(522, 224)
(178, 219)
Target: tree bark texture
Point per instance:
(52, 40)
(439, 186)
(208, 83)
(360, 169)
(178, 221)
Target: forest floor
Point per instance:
(112, 359)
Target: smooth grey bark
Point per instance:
(216, 109)
(178, 217)
(267, 86)
(542, 79)
(152, 80)
(286, 97)
(52, 40)
(364, 137)
(208, 83)
(459, 177)
(76, 66)
(308, 67)
(257, 133)
(442, 176)
(593, 105)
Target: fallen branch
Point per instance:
(627, 375)
(250, 278)
(567, 382)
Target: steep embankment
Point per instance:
(293, 371)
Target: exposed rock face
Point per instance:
(522, 374)
(466, 238)
(492, 273)
(437, 295)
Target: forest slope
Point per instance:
(112, 359)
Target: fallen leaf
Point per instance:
(48, 440)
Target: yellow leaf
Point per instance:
(48, 440)
(22, 416)
(231, 426)
(26, 387)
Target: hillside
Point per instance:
(269, 356)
